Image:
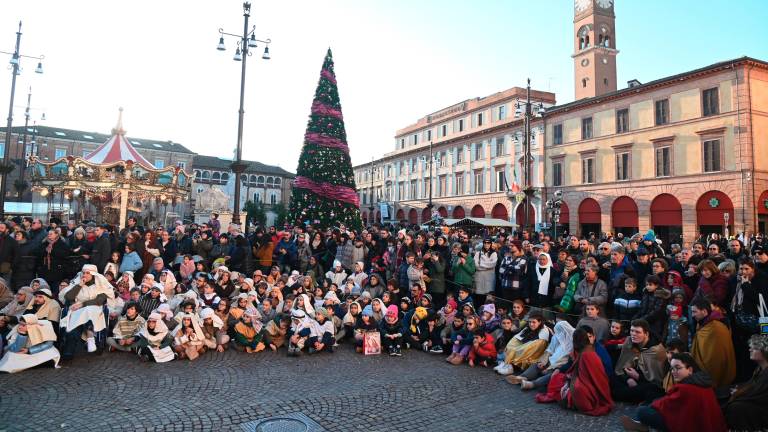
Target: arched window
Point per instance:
(273, 199)
(260, 181)
(277, 181)
(206, 175)
(252, 179)
(224, 177)
(197, 174)
(584, 82)
(269, 182)
(215, 177)
(257, 197)
(584, 36)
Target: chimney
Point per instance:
(633, 83)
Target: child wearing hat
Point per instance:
(249, 332)
(322, 332)
(417, 335)
(301, 330)
(460, 340)
(366, 324)
(434, 342)
(392, 332)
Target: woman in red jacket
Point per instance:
(713, 285)
(690, 405)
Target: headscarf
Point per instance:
(169, 286)
(561, 344)
(161, 330)
(307, 305)
(350, 319)
(543, 278)
(14, 308)
(209, 313)
(331, 295)
(195, 325)
(165, 310)
(100, 286)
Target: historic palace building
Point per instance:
(684, 155)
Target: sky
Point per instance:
(396, 61)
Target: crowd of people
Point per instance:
(583, 322)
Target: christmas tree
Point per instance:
(324, 192)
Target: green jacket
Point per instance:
(437, 274)
(462, 273)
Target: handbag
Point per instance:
(751, 323)
(371, 343)
(763, 320)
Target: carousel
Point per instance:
(110, 184)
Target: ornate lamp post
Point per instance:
(371, 207)
(529, 110)
(16, 70)
(553, 209)
(244, 44)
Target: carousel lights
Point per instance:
(44, 192)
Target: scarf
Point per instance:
(544, 277)
(562, 343)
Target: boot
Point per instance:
(451, 357)
(457, 360)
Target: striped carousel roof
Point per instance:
(117, 148)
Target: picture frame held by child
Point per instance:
(371, 343)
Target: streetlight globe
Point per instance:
(266, 54)
(14, 59)
(559, 194)
(252, 41)
(221, 46)
(238, 56)
(39, 68)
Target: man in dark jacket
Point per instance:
(8, 250)
(102, 248)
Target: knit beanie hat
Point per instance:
(368, 311)
(392, 311)
(421, 312)
(490, 308)
(650, 236)
(452, 303)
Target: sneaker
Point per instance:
(498, 366)
(526, 385)
(450, 357)
(632, 425)
(514, 379)
(457, 360)
(392, 352)
(425, 347)
(437, 349)
(91, 344)
(507, 369)
(398, 352)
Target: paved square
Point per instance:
(343, 391)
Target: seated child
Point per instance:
(460, 341)
(615, 340)
(416, 335)
(277, 331)
(483, 351)
(188, 338)
(322, 335)
(677, 324)
(365, 324)
(213, 328)
(125, 334)
(392, 332)
(489, 318)
(434, 343)
(301, 330)
(249, 332)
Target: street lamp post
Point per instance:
(370, 206)
(429, 203)
(553, 209)
(530, 111)
(244, 44)
(15, 70)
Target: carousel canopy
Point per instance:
(117, 148)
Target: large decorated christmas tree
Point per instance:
(324, 189)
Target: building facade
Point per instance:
(684, 155)
(266, 184)
(476, 147)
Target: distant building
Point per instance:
(266, 184)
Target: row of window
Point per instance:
(478, 186)
(477, 120)
(710, 106)
(663, 163)
(223, 177)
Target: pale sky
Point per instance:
(396, 61)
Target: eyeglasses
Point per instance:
(712, 248)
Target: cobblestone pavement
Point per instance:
(343, 391)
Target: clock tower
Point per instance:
(594, 47)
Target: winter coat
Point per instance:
(626, 305)
(713, 350)
(486, 348)
(202, 248)
(437, 274)
(102, 250)
(714, 289)
(653, 309)
(485, 274)
(462, 273)
(131, 262)
(55, 266)
(594, 292)
(24, 269)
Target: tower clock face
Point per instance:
(581, 5)
(605, 4)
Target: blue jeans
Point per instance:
(651, 418)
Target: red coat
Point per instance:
(714, 289)
(487, 348)
(689, 407)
